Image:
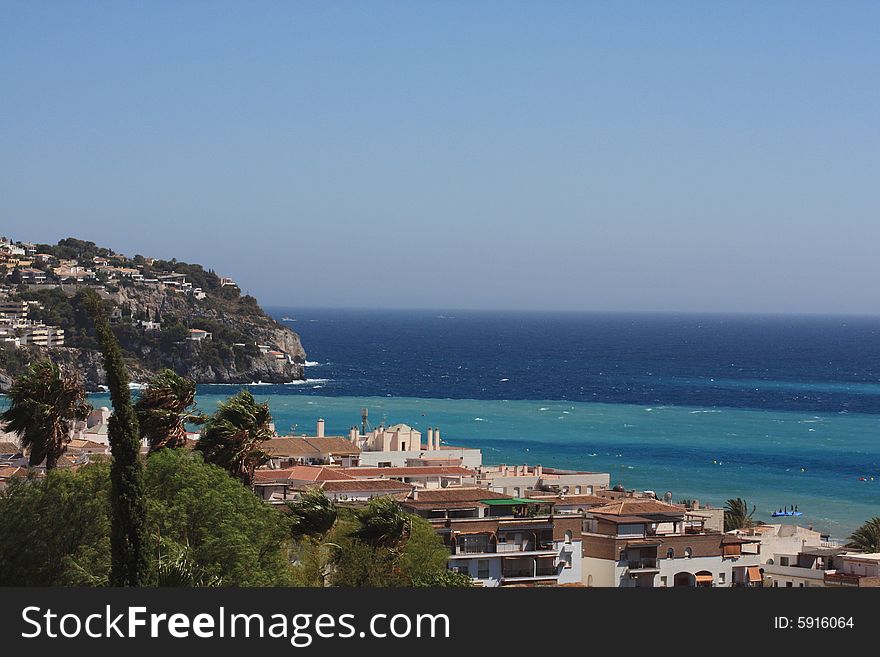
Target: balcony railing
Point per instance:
(642, 564)
(484, 548)
(542, 571)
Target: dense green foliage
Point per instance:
(407, 552)
(204, 528)
(377, 546)
(44, 403)
(867, 537)
(128, 517)
(163, 409)
(60, 309)
(383, 523)
(15, 360)
(56, 531)
(737, 514)
(233, 436)
(75, 249)
(312, 515)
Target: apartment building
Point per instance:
(500, 540)
(642, 542)
(515, 480)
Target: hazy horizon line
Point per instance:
(571, 311)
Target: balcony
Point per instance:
(642, 565)
(526, 574)
(526, 547)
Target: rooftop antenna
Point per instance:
(364, 421)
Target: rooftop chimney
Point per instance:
(430, 438)
(437, 438)
(320, 433)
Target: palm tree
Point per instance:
(383, 523)
(234, 433)
(867, 537)
(163, 409)
(44, 404)
(737, 514)
(313, 514)
(177, 567)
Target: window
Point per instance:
(577, 490)
(783, 561)
(384, 464)
(670, 553)
(721, 577)
(775, 584)
(789, 585)
(589, 580)
(483, 568)
(801, 585)
(568, 540)
(687, 553)
(565, 559)
(565, 490)
(663, 580)
(516, 491)
(403, 447)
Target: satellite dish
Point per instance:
(667, 496)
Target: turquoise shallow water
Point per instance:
(694, 452)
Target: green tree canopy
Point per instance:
(164, 407)
(204, 528)
(867, 537)
(127, 531)
(44, 404)
(384, 546)
(737, 514)
(233, 436)
(312, 514)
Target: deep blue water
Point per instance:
(828, 364)
(777, 410)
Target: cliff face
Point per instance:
(165, 314)
(154, 325)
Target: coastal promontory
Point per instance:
(165, 313)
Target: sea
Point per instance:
(778, 410)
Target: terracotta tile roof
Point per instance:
(300, 473)
(366, 485)
(9, 448)
(309, 447)
(630, 506)
(7, 471)
(77, 443)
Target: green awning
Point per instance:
(509, 501)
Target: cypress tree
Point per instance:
(128, 520)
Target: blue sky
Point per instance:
(684, 156)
